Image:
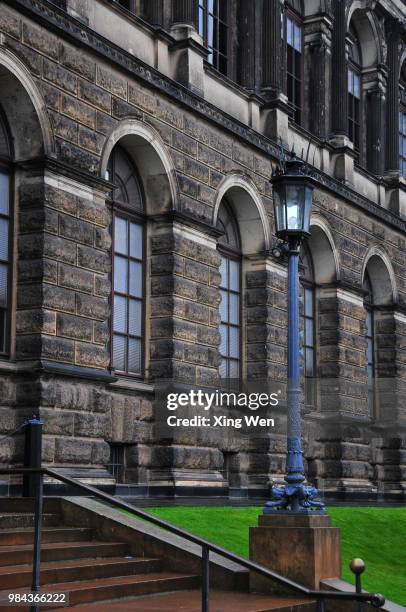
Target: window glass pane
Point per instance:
(309, 338)
(309, 357)
(224, 272)
(120, 314)
(4, 239)
(3, 286)
(289, 31)
(234, 275)
(134, 356)
(120, 236)
(210, 32)
(223, 343)
(357, 86)
(309, 295)
(224, 306)
(350, 82)
(119, 350)
(369, 323)
(223, 368)
(4, 193)
(234, 342)
(135, 318)
(201, 21)
(298, 37)
(234, 369)
(136, 240)
(135, 279)
(234, 309)
(120, 275)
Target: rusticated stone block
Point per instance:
(78, 110)
(93, 212)
(57, 422)
(91, 425)
(91, 355)
(93, 259)
(197, 271)
(10, 22)
(35, 321)
(64, 127)
(59, 76)
(92, 307)
(76, 229)
(40, 39)
(78, 62)
(184, 143)
(101, 332)
(75, 278)
(79, 158)
(105, 123)
(32, 60)
(73, 451)
(88, 139)
(78, 328)
(123, 110)
(57, 349)
(100, 453)
(58, 298)
(112, 82)
(102, 286)
(94, 95)
(50, 94)
(61, 200)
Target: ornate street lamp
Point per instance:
(293, 195)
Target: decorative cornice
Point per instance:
(67, 26)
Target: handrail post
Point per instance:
(205, 579)
(32, 455)
(357, 566)
(36, 565)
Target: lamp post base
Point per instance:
(302, 547)
(297, 498)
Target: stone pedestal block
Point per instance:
(303, 548)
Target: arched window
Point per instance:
(230, 288)
(309, 326)
(354, 89)
(128, 266)
(5, 238)
(370, 337)
(292, 33)
(402, 121)
(213, 27)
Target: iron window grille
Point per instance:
(128, 308)
(212, 23)
(230, 290)
(116, 465)
(292, 34)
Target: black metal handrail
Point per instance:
(374, 599)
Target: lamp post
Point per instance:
(293, 195)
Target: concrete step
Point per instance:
(17, 576)
(10, 537)
(120, 587)
(57, 551)
(17, 520)
(190, 601)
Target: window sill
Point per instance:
(132, 385)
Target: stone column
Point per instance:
(339, 97)
(394, 32)
(246, 67)
(154, 12)
(184, 318)
(318, 76)
(184, 12)
(272, 56)
(340, 461)
(62, 318)
(375, 131)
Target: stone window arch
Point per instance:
(128, 266)
(229, 246)
(6, 183)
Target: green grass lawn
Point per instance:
(377, 535)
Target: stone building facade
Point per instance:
(137, 142)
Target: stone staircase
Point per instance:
(103, 575)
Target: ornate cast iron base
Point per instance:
(294, 498)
